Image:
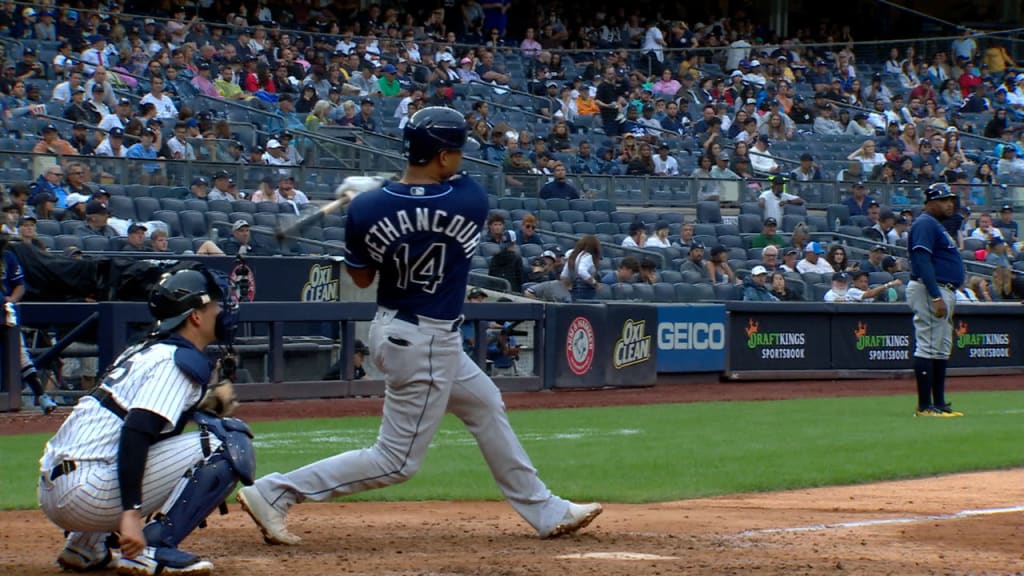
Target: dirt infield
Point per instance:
(956, 525)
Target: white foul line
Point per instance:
(882, 521)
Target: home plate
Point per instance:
(614, 556)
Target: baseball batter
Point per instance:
(121, 455)
(936, 272)
(420, 233)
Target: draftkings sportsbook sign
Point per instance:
(777, 342)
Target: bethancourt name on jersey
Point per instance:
(384, 232)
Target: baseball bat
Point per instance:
(282, 234)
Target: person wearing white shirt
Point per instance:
(120, 117)
(664, 164)
(165, 107)
(773, 200)
(62, 92)
(985, 230)
(654, 41)
(660, 237)
(738, 50)
(637, 236)
(813, 261)
(113, 145)
(179, 147)
(580, 271)
(841, 290)
(402, 109)
(760, 159)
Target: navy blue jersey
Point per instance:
(13, 276)
(928, 235)
(421, 240)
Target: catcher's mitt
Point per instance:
(220, 399)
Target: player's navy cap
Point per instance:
(476, 293)
(771, 222)
(696, 245)
(938, 191)
(996, 241)
(874, 203)
(238, 225)
(136, 228)
(200, 181)
(124, 102)
(96, 207)
(222, 174)
(902, 220)
(840, 277)
(878, 248)
(1006, 208)
(100, 192)
(888, 262)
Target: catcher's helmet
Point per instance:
(433, 130)
(179, 293)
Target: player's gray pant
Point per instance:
(933, 335)
(426, 372)
(87, 501)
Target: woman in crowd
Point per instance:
(643, 164)
(318, 115)
(781, 291)
(1002, 285)
(836, 256)
(718, 267)
(580, 274)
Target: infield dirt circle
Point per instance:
(966, 524)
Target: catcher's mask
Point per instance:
(183, 291)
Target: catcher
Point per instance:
(122, 455)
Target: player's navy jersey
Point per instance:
(926, 233)
(421, 240)
(149, 380)
(13, 276)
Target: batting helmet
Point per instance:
(433, 130)
(938, 191)
(181, 292)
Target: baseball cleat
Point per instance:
(577, 517)
(75, 559)
(933, 412)
(947, 410)
(269, 519)
(165, 562)
(46, 404)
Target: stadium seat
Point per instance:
(557, 204)
(877, 278)
(728, 292)
(709, 213)
(609, 228)
(664, 291)
(727, 229)
(247, 216)
(488, 249)
(686, 292)
(840, 211)
(730, 241)
(193, 223)
(621, 291)
(48, 227)
(643, 292)
(797, 209)
(174, 204)
(243, 206)
(334, 233)
(197, 205)
(581, 204)
(705, 292)
(212, 217)
(71, 227)
(604, 292)
(562, 227)
(122, 207)
(270, 207)
(751, 208)
(597, 216)
(789, 221)
(47, 241)
(671, 276)
(691, 277)
(220, 206)
(172, 219)
(510, 203)
(818, 292)
(266, 220)
(179, 245)
(144, 207)
(750, 223)
(701, 229)
(570, 216)
(584, 228)
(62, 241)
(622, 217)
(95, 243)
(531, 250)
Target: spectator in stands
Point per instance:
(718, 269)
(628, 268)
(769, 235)
(43, 204)
(859, 287)
(979, 286)
(199, 189)
(559, 187)
(637, 235)
(80, 139)
(1007, 225)
(660, 237)
(135, 241)
(874, 261)
(781, 291)
(836, 257)
(581, 268)
(664, 164)
(10, 220)
(224, 187)
(840, 291)
(365, 118)
(288, 194)
(158, 240)
(27, 229)
(772, 201)
(1010, 165)
(879, 232)
(686, 234)
(825, 124)
(165, 107)
(144, 149)
(695, 261)
(643, 163)
(75, 210)
(812, 261)
(761, 159)
(96, 216)
(18, 195)
(528, 231)
(120, 118)
(63, 91)
(488, 72)
(770, 258)
(51, 181)
(585, 162)
(998, 253)
(550, 290)
(77, 174)
(241, 238)
(275, 154)
(648, 272)
(52, 143)
(755, 287)
(858, 201)
(541, 269)
(807, 171)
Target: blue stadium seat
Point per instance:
(643, 292)
(247, 216)
(686, 292)
(171, 218)
(95, 243)
(212, 216)
(271, 207)
(584, 228)
(709, 212)
(220, 206)
(621, 291)
(122, 207)
(664, 291)
(243, 206)
(62, 241)
(705, 292)
(179, 245)
(145, 206)
(48, 227)
(597, 216)
(197, 205)
(334, 233)
(193, 223)
(174, 204)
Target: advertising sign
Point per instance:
(630, 359)
(872, 341)
(691, 338)
(765, 341)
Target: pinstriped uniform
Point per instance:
(88, 499)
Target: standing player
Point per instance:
(420, 233)
(121, 455)
(936, 272)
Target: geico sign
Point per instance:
(691, 336)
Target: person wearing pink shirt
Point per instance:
(667, 86)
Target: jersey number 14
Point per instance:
(427, 270)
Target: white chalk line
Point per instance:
(881, 521)
(629, 556)
(298, 439)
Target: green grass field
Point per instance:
(656, 452)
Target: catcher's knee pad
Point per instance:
(198, 494)
(236, 443)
